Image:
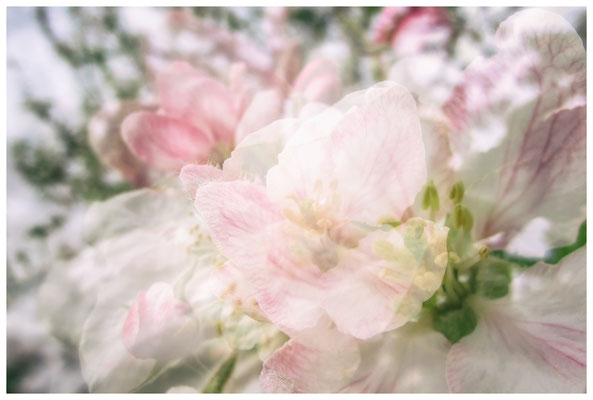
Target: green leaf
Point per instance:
(491, 278)
(455, 323)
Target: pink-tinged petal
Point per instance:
(197, 99)
(255, 155)
(193, 176)
(542, 175)
(519, 126)
(265, 108)
(532, 341)
(410, 359)
(420, 29)
(540, 58)
(159, 325)
(372, 165)
(411, 30)
(238, 88)
(230, 284)
(105, 139)
(382, 283)
(386, 23)
(163, 142)
(248, 229)
(319, 81)
(320, 360)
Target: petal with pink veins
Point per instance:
(518, 123)
(533, 340)
(410, 359)
(248, 229)
(193, 176)
(164, 142)
(366, 285)
(265, 107)
(197, 99)
(366, 165)
(320, 360)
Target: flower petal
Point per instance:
(231, 285)
(519, 127)
(265, 108)
(193, 176)
(248, 229)
(410, 359)
(159, 325)
(164, 142)
(382, 283)
(372, 164)
(199, 100)
(319, 81)
(320, 360)
(537, 335)
(255, 155)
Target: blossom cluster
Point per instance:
(299, 235)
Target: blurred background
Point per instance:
(74, 73)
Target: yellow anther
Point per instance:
(484, 252)
(457, 192)
(462, 218)
(454, 258)
(430, 198)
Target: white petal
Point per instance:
(532, 341)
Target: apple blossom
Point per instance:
(358, 247)
(518, 122)
(301, 239)
(516, 128)
(201, 120)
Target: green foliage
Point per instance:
(491, 278)
(228, 18)
(314, 20)
(38, 165)
(44, 230)
(456, 322)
